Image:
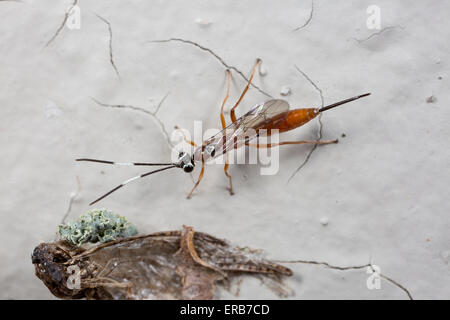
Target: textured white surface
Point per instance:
(383, 190)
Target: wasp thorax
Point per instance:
(185, 162)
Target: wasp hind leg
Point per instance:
(232, 114)
(271, 145)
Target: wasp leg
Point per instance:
(271, 145)
(224, 124)
(232, 114)
(192, 143)
(198, 180)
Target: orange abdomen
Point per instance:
(294, 119)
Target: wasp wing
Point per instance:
(244, 128)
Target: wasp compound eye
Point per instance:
(188, 167)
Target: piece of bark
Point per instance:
(164, 265)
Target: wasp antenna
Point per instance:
(343, 102)
(130, 180)
(124, 163)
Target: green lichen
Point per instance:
(96, 226)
